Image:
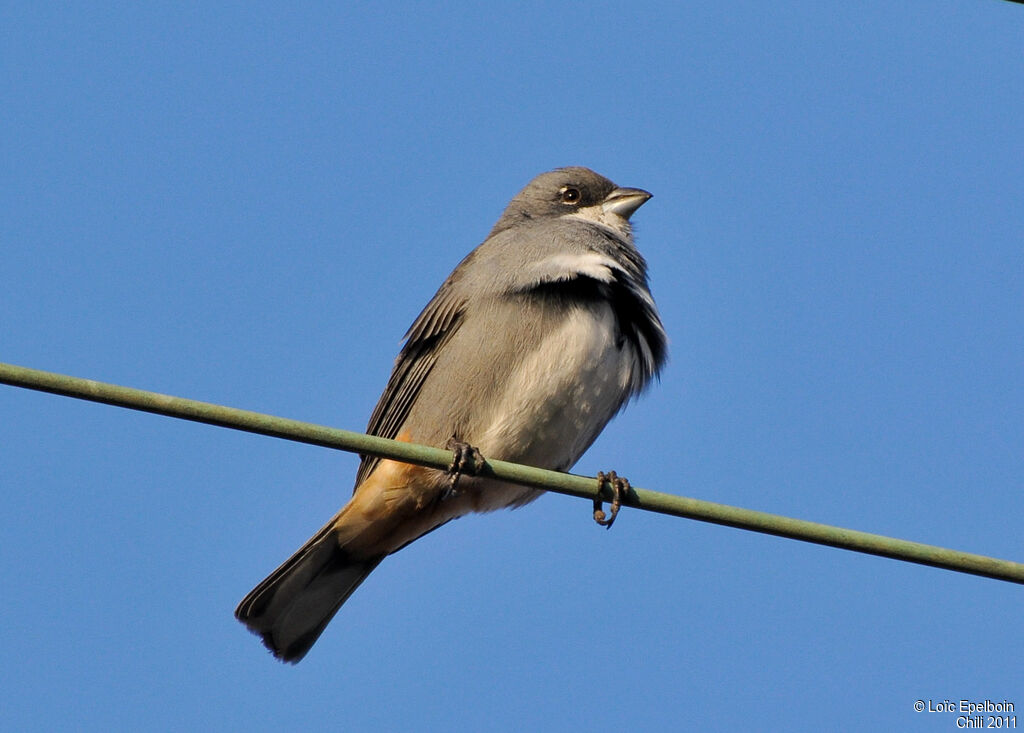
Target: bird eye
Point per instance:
(570, 195)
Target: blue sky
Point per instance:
(248, 204)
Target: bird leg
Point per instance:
(467, 459)
(620, 487)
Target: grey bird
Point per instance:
(533, 343)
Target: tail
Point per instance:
(291, 608)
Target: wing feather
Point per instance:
(424, 339)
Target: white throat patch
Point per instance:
(597, 214)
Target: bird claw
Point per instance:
(620, 487)
(467, 459)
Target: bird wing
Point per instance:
(423, 341)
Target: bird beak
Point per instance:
(624, 201)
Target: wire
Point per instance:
(562, 483)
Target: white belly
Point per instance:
(562, 395)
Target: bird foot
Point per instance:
(620, 487)
(467, 459)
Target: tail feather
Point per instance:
(291, 608)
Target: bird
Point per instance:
(536, 339)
